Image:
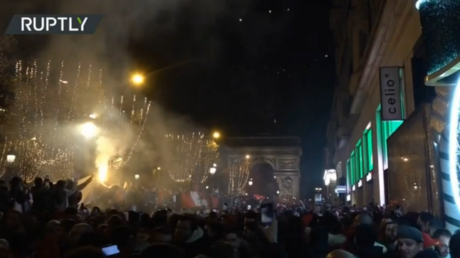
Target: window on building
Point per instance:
(353, 168)
(368, 153)
(348, 174)
(384, 130)
(359, 161)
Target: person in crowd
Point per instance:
(189, 236)
(442, 236)
(410, 241)
(54, 227)
(423, 221)
(365, 242)
(454, 245)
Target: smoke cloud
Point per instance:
(124, 22)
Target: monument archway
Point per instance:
(278, 156)
(263, 180)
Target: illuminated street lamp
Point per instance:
(158, 168)
(278, 192)
(137, 79)
(216, 135)
(250, 182)
(11, 157)
(212, 170)
(89, 130)
(136, 176)
(247, 156)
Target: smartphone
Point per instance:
(110, 250)
(267, 214)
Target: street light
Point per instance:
(89, 130)
(250, 182)
(11, 157)
(216, 135)
(247, 156)
(212, 170)
(137, 79)
(278, 192)
(158, 168)
(214, 165)
(136, 176)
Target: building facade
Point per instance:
(369, 34)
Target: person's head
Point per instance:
(214, 229)
(162, 235)
(38, 181)
(60, 185)
(434, 225)
(95, 211)
(114, 221)
(340, 254)
(54, 227)
(443, 236)
(410, 241)
(423, 221)
(123, 237)
(78, 230)
(184, 229)
(365, 236)
(362, 218)
(251, 231)
(454, 245)
(385, 221)
(391, 230)
(232, 237)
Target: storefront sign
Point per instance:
(390, 92)
(341, 189)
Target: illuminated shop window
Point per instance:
(384, 130)
(368, 153)
(353, 168)
(359, 161)
(349, 174)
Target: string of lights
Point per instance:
(239, 174)
(210, 153)
(413, 182)
(46, 109)
(193, 156)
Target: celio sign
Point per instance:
(390, 92)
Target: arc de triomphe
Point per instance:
(281, 153)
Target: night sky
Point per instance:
(259, 62)
(286, 73)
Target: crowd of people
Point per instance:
(52, 224)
